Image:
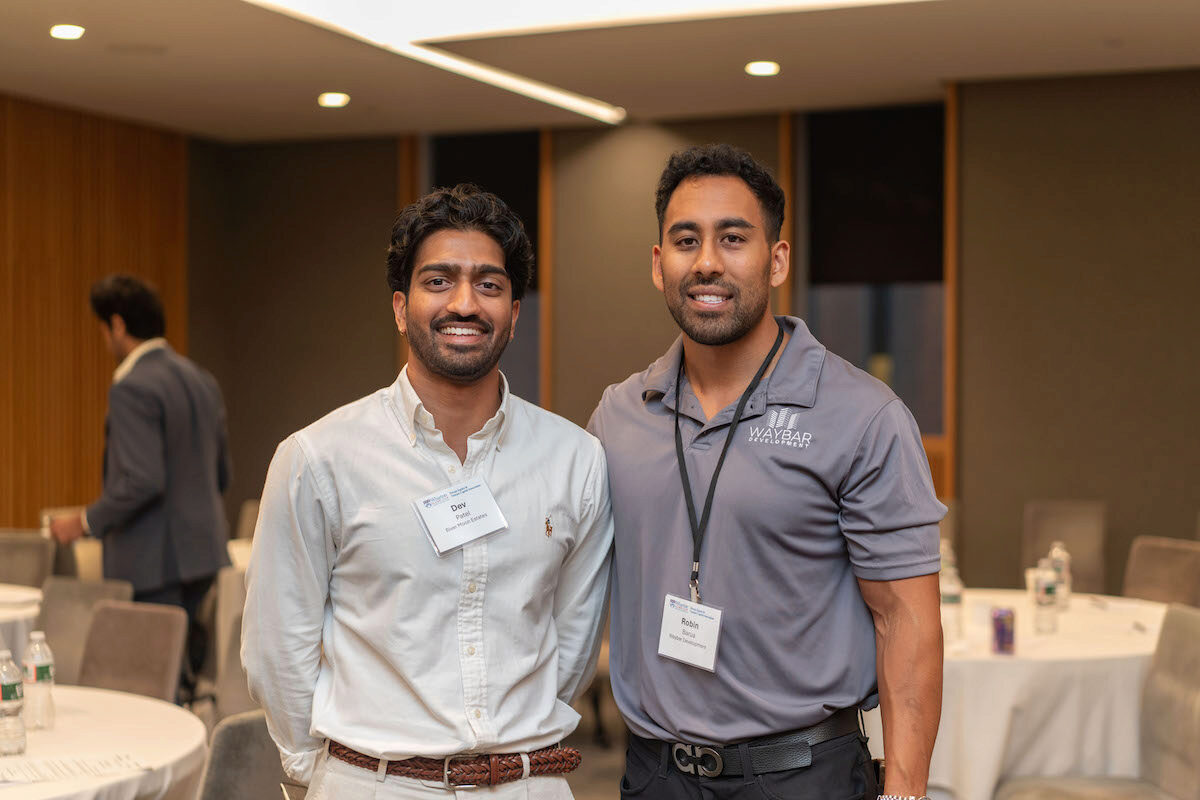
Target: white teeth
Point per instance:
(451, 331)
(710, 299)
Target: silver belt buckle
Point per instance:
(446, 772)
(694, 761)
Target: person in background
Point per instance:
(166, 463)
(430, 569)
(777, 540)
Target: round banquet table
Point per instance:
(168, 741)
(1065, 703)
(19, 606)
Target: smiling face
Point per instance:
(715, 266)
(458, 313)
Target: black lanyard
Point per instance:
(699, 528)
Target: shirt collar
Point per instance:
(793, 381)
(413, 415)
(126, 366)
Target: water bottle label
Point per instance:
(11, 691)
(955, 599)
(1045, 592)
(45, 673)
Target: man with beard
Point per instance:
(431, 562)
(777, 539)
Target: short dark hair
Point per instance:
(464, 207)
(722, 159)
(137, 303)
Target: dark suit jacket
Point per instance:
(166, 462)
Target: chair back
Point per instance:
(1078, 524)
(1162, 569)
(26, 557)
(67, 614)
(243, 761)
(1170, 735)
(247, 519)
(233, 693)
(82, 558)
(135, 647)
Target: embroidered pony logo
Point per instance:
(549, 527)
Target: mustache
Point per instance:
(450, 319)
(719, 283)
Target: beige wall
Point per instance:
(1079, 280)
(609, 320)
(290, 309)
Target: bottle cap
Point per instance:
(37, 636)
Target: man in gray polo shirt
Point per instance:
(797, 584)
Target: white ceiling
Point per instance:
(229, 70)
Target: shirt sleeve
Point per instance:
(582, 593)
(287, 585)
(889, 511)
(136, 461)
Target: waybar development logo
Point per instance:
(782, 428)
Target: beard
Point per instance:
(458, 363)
(718, 327)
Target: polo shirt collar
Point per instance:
(412, 414)
(792, 382)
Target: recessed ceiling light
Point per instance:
(762, 69)
(66, 31)
(333, 99)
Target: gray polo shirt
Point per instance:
(826, 481)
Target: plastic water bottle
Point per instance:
(1060, 562)
(946, 553)
(951, 587)
(39, 683)
(1045, 612)
(12, 694)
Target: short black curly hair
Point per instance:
(135, 300)
(722, 159)
(464, 207)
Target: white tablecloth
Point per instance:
(168, 741)
(1064, 704)
(19, 606)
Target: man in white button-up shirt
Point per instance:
(375, 658)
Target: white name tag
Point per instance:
(460, 514)
(690, 632)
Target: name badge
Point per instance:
(460, 514)
(690, 633)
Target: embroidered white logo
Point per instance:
(781, 428)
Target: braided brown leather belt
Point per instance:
(469, 770)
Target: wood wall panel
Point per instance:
(80, 197)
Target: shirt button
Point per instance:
(478, 713)
(452, 469)
(471, 588)
(471, 650)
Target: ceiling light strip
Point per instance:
(474, 70)
(502, 79)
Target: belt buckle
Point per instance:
(446, 772)
(694, 762)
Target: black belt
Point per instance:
(791, 750)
